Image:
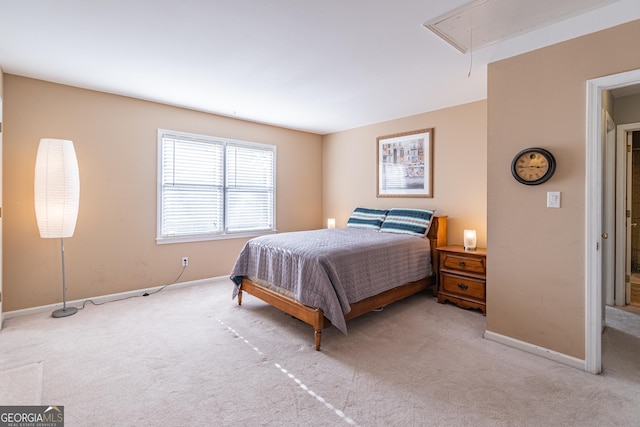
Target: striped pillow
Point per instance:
(367, 218)
(408, 221)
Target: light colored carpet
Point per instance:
(21, 385)
(191, 356)
(621, 343)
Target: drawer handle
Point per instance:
(462, 264)
(462, 286)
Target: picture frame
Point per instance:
(405, 164)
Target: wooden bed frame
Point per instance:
(315, 316)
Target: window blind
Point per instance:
(250, 189)
(210, 187)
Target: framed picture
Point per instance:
(405, 164)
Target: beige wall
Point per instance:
(113, 248)
(627, 110)
(536, 265)
(460, 168)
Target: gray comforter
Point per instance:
(331, 268)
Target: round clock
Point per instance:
(533, 166)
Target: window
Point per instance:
(211, 188)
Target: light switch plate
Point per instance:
(553, 199)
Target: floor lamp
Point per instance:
(57, 196)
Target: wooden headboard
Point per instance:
(438, 237)
(438, 231)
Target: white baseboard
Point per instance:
(537, 350)
(112, 297)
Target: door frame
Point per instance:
(593, 213)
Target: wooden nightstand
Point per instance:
(463, 277)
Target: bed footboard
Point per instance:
(315, 316)
(311, 316)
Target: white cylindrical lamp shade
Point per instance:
(331, 223)
(56, 188)
(470, 240)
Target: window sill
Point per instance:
(191, 239)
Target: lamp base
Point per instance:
(64, 312)
(468, 249)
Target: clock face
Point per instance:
(533, 166)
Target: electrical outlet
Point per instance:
(185, 261)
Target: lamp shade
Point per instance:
(331, 223)
(56, 188)
(470, 240)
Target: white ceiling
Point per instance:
(321, 66)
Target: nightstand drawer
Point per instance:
(463, 263)
(463, 286)
(463, 277)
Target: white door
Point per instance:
(609, 212)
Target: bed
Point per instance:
(326, 277)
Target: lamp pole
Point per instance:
(64, 311)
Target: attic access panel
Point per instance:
(481, 23)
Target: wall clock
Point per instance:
(533, 166)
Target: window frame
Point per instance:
(225, 234)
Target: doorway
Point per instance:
(621, 336)
(596, 252)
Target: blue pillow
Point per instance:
(367, 218)
(408, 221)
